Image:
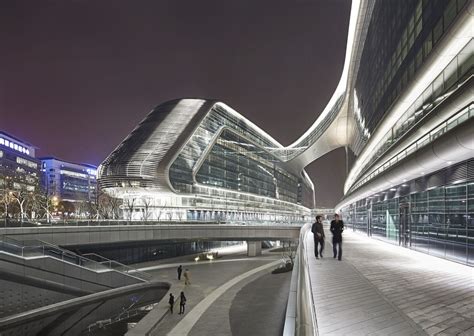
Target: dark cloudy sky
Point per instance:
(77, 75)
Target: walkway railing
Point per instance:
(112, 222)
(38, 248)
(71, 305)
(300, 312)
(112, 264)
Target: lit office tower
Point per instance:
(68, 181)
(19, 169)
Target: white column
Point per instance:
(254, 248)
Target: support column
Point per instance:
(254, 248)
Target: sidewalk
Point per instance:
(381, 289)
(206, 280)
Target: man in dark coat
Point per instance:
(182, 303)
(180, 270)
(337, 226)
(318, 232)
(171, 302)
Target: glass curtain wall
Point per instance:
(437, 220)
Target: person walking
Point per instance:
(318, 232)
(187, 277)
(182, 303)
(337, 226)
(171, 302)
(180, 270)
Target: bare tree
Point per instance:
(169, 213)
(21, 197)
(146, 208)
(90, 208)
(5, 199)
(130, 204)
(45, 205)
(114, 207)
(104, 206)
(34, 206)
(179, 213)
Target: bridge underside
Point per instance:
(85, 235)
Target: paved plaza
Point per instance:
(381, 289)
(217, 295)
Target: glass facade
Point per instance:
(227, 153)
(404, 34)
(433, 214)
(200, 160)
(239, 160)
(462, 116)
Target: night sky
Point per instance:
(77, 76)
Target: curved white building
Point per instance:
(404, 106)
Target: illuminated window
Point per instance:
(27, 163)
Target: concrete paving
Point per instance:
(206, 278)
(381, 289)
(262, 305)
(253, 306)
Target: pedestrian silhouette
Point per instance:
(187, 277)
(171, 302)
(337, 226)
(182, 303)
(318, 232)
(180, 270)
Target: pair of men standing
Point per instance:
(337, 226)
(182, 303)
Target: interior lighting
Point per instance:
(457, 42)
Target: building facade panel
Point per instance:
(432, 218)
(68, 181)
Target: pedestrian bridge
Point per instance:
(377, 289)
(106, 233)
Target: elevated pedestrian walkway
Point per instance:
(382, 289)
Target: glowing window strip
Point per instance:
(73, 174)
(14, 146)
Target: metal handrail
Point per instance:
(116, 222)
(300, 313)
(41, 248)
(123, 268)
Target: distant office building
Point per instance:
(68, 181)
(19, 169)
